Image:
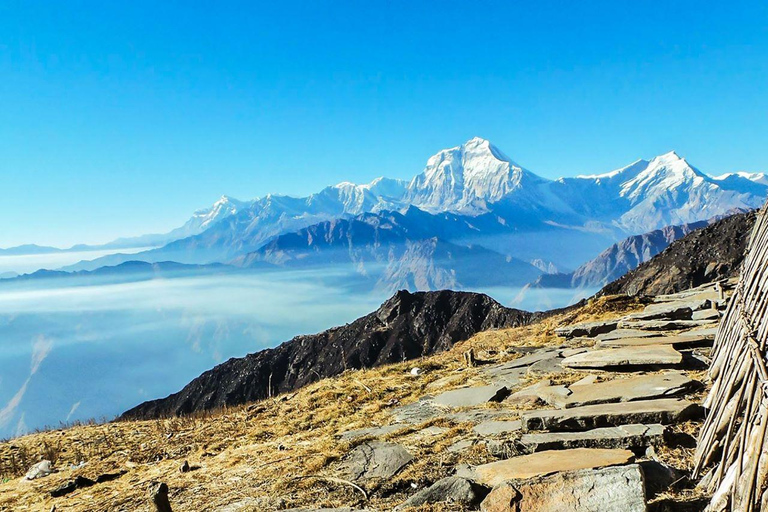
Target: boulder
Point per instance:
(375, 459)
(648, 355)
(453, 489)
(624, 436)
(611, 489)
(664, 411)
(468, 397)
(589, 329)
(502, 498)
(545, 463)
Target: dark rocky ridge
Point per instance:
(705, 255)
(407, 326)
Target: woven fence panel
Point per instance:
(732, 451)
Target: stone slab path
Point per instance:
(569, 444)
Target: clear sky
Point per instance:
(120, 118)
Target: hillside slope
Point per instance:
(619, 258)
(407, 326)
(706, 255)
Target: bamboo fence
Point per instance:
(733, 437)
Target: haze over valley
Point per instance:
(91, 331)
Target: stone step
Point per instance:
(630, 356)
(589, 392)
(496, 427)
(588, 329)
(669, 311)
(663, 325)
(544, 463)
(706, 314)
(468, 397)
(633, 437)
(677, 340)
(610, 489)
(664, 411)
(640, 387)
(627, 333)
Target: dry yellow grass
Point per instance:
(264, 456)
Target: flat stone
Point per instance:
(633, 436)
(626, 333)
(677, 340)
(542, 391)
(546, 367)
(479, 415)
(663, 411)
(372, 432)
(588, 329)
(434, 430)
(462, 445)
(453, 489)
(640, 387)
(468, 397)
(610, 489)
(375, 459)
(531, 358)
(506, 374)
(497, 428)
(663, 325)
(573, 351)
(709, 332)
(545, 463)
(692, 295)
(669, 311)
(706, 314)
(649, 355)
(418, 412)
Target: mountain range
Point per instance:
(471, 205)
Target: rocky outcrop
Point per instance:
(407, 326)
(705, 255)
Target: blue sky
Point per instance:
(120, 118)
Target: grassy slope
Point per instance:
(261, 454)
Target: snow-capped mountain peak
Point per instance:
(754, 177)
(221, 209)
(466, 178)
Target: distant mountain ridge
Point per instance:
(477, 181)
(412, 250)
